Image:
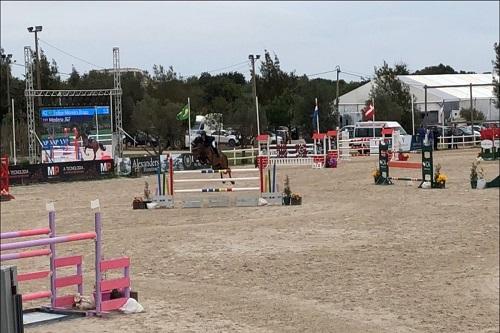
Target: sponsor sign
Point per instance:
(69, 171)
(144, 165)
(486, 144)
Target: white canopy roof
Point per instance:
(420, 81)
(417, 83)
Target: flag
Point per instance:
(441, 114)
(315, 115)
(184, 113)
(369, 111)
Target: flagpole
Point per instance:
(257, 111)
(373, 118)
(189, 125)
(317, 114)
(412, 116)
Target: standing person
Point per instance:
(430, 136)
(421, 134)
(436, 135)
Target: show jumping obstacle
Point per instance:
(172, 188)
(385, 163)
(63, 304)
(316, 154)
(266, 188)
(4, 180)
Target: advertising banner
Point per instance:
(55, 172)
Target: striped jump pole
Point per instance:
(24, 233)
(48, 241)
(223, 189)
(215, 180)
(24, 254)
(216, 171)
(406, 178)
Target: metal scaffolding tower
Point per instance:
(117, 103)
(30, 93)
(30, 105)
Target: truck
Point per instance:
(364, 131)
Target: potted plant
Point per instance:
(287, 193)
(440, 178)
(296, 199)
(376, 175)
(475, 173)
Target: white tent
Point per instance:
(454, 98)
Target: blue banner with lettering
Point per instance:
(74, 111)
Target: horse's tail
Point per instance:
(102, 146)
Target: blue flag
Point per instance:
(315, 116)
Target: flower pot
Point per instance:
(296, 202)
(441, 185)
(473, 183)
(286, 200)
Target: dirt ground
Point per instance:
(354, 257)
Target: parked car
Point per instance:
(224, 137)
(141, 139)
(348, 128)
(275, 139)
(477, 129)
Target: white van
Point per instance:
(370, 129)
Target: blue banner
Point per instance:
(75, 111)
(67, 119)
(48, 143)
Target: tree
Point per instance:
(157, 119)
(478, 115)
(439, 69)
(49, 73)
(74, 78)
(392, 97)
(496, 68)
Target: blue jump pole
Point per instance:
(159, 180)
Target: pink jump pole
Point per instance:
(24, 254)
(98, 258)
(48, 241)
(24, 233)
(52, 246)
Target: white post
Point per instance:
(189, 125)
(14, 132)
(97, 125)
(257, 111)
(412, 116)
(442, 128)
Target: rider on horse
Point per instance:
(209, 141)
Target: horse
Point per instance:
(90, 143)
(206, 155)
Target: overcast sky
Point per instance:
(308, 37)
